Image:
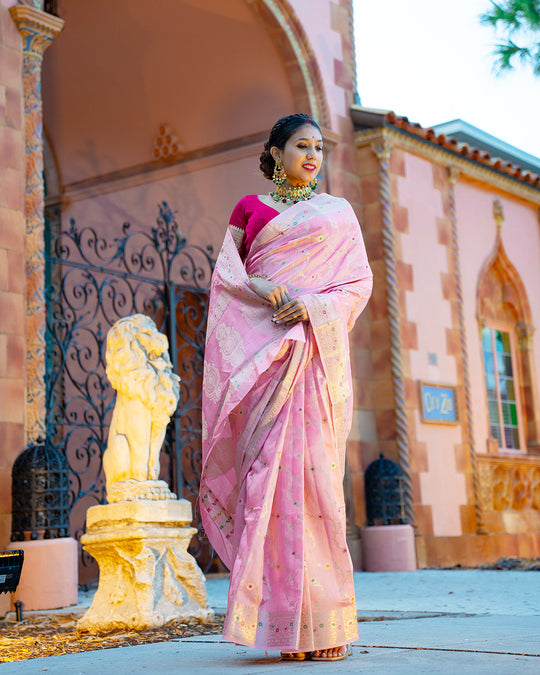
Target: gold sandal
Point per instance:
(347, 651)
(293, 656)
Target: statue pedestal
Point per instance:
(388, 548)
(146, 575)
(49, 574)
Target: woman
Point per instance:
(291, 278)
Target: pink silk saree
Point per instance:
(277, 405)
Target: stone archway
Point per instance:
(124, 75)
(297, 53)
(218, 75)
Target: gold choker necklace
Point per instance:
(292, 195)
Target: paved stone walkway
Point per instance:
(429, 621)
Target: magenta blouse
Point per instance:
(251, 215)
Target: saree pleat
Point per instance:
(276, 413)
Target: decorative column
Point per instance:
(352, 47)
(382, 151)
(38, 29)
(453, 174)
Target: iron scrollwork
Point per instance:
(92, 282)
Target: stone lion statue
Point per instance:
(139, 368)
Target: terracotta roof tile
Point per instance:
(480, 156)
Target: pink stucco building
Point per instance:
(460, 229)
(170, 101)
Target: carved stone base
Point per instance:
(146, 576)
(131, 490)
(509, 493)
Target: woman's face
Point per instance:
(302, 155)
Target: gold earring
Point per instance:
(280, 176)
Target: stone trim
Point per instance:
(158, 170)
(298, 56)
(444, 157)
(511, 486)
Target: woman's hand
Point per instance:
(277, 296)
(291, 313)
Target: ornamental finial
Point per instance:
(498, 213)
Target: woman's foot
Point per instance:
(293, 656)
(332, 654)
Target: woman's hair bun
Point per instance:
(267, 163)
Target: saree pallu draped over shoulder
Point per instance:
(277, 407)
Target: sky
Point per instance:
(431, 61)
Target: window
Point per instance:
(501, 383)
(506, 329)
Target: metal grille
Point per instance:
(39, 493)
(385, 493)
(93, 279)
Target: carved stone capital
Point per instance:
(453, 174)
(38, 29)
(382, 148)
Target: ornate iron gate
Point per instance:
(94, 279)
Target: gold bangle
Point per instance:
(257, 276)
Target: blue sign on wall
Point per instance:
(438, 403)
